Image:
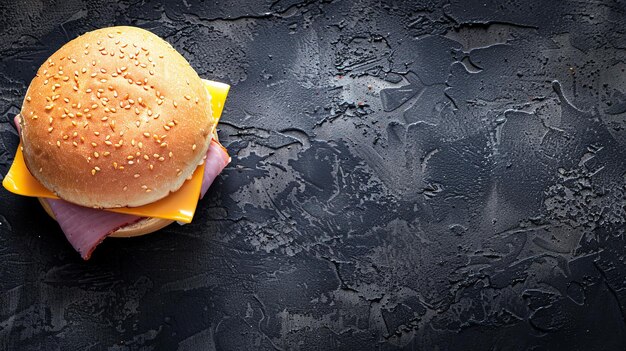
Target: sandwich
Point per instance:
(117, 137)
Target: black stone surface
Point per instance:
(418, 175)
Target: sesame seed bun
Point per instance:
(115, 118)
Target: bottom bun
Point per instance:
(142, 227)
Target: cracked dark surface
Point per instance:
(418, 175)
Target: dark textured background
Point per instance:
(433, 175)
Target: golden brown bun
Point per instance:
(115, 118)
(143, 227)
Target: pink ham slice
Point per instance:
(216, 159)
(85, 227)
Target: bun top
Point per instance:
(115, 118)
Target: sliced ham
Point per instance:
(85, 227)
(216, 159)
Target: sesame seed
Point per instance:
(88, 90)
(136, 175)
(125, 188)
(97, 168)
(108, 142)
(66, 100)
(50, 129)
(106, 153)
(84, 70)
(65, 137)
(49, 107)
(94, 106)
(94, 144)
(110, 35)
(129, 157)
(131, 162)
(161, 158)
(115, 166)
(104, 118)
(94, 74)
(96, 154)
(149, 112)
(93, 172)
(193, 147)
(144, 187)
(96, 133)
(146, 157)
(58, 143)
(171, 124)
(170, 154)
(187, 97)
(74, 143)
(175, 104)
(137, 123)
(136, 111)
(151, 166)
(166, 127)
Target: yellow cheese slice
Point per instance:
(178, 206)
